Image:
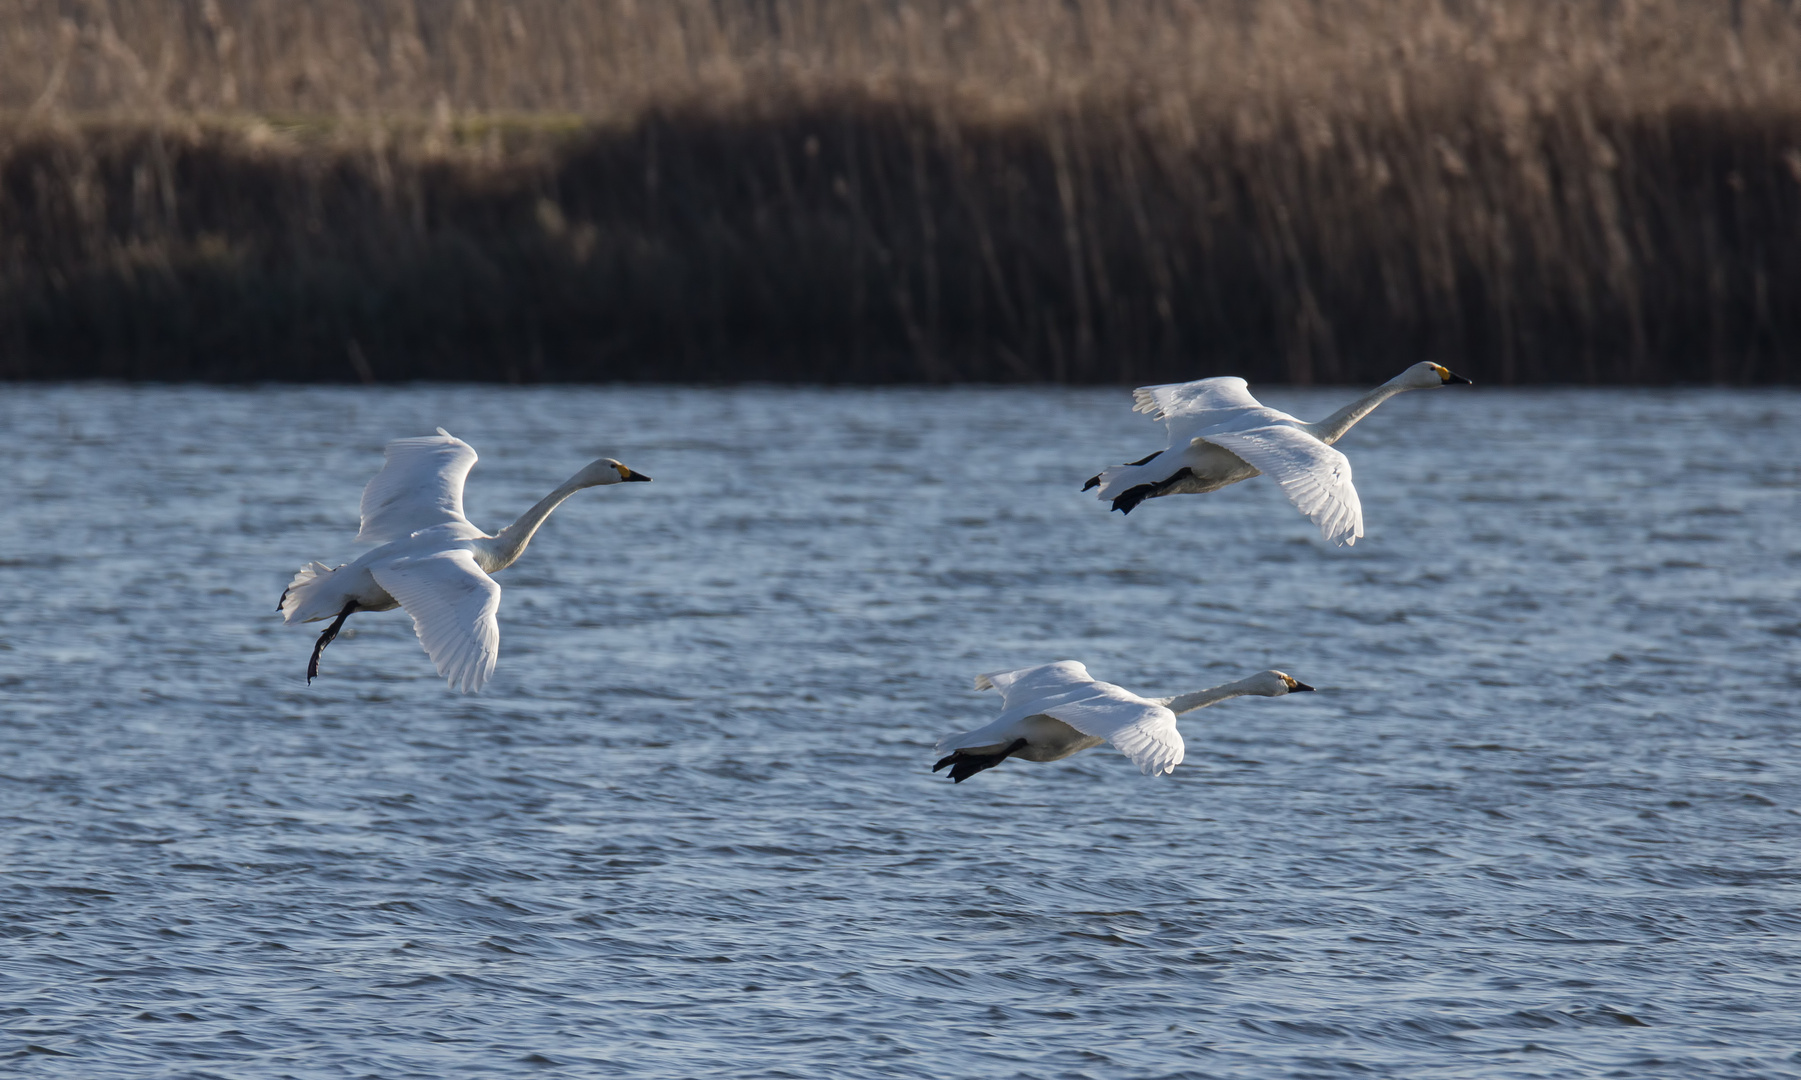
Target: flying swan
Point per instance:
(1219, 434)
(431, 561)
(1054, 710)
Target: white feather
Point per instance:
(453, 605)
(420, 485)
(1200, 397)
(311, 595)
(1315, 477)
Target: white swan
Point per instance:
(1054, 710)
(431, 561)
(1219, 434)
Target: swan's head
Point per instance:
(606, 471)
(1424, 376)
(1275, 684)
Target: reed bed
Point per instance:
(1012, 190)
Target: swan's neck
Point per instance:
(504, 547)
(1200, 699)
(1333, 427)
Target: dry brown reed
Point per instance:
(873, 190)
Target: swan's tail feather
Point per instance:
(1110, 480)
(965, 764)
(310, 596)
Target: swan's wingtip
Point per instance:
(1145, 401)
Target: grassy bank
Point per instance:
(1019, 190)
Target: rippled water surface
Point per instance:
(1540, 820)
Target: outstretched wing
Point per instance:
(1195, 409)
(1315, 477)
(452, 604)
(1227, 392)
(1040, 680)
(1142, 730)
(419, 485)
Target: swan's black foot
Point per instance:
(965, 764)
(1127, 501)
(1093, 482)
(325, 638)
(283, 600)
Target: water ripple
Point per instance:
(1540, 820)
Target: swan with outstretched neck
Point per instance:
(431, 561)
(1054, 710)
(1219, 434)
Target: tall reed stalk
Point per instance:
(1072, 190)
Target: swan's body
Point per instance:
(1219, 434)
(1054, 710)
(431, 561)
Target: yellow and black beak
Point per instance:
(630, 475)
(1296, 686)
(1451, 377)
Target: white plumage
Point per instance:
(1219, 434)
(431, 561)
(420, 485)
(453, 605)
(1051, 711)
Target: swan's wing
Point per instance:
(419, 485)
(1194, 409)
(1040, 681)
(452, 604)
(1315, 477)
(1142, 730)
(1228, 392)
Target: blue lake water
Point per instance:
(1542, 819)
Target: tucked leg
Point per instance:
(1126, 501)
(965, 764)
(325, 638)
